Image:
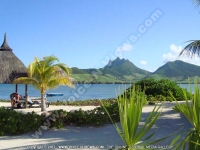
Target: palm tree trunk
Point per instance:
(43, 103)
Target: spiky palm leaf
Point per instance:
(192, 112)
(197, 2)
(192, 48)
(130, 111)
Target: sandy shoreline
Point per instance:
(93, 137)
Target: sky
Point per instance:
(89, 33)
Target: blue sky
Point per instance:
(87, 33)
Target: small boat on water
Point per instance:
(54, 94)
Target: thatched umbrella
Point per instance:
(11, 67)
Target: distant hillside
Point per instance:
(178, 69)
(121, 70)
(123, 67)
(118, 70)
(76, 70)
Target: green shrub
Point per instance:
(57, 119)
(18, 123)
(14, 123)
(169, 98)
(96, 117)
(160, 98)
(3, 100)
(162, 87)
(91, 102)
(151, 99)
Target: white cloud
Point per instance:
(174, 53)
(151, 70)
(175, 49)
(143, 62)
(194, 60)
(125, 47)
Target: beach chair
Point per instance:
(34, 101)
(38, 102)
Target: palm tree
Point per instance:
(47, 73)
(197, 2)
(194, 46)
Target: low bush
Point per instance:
(95, 117)
(3, 100)
(162, 87)
(91, 102)
(13, 122)
(57, 119)
(169, 98)
(160, 98)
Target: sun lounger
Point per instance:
(38, 102)
(34, 101)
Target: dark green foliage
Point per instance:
(160, 98)
(13, 122)
(162, 87)
(57, 119)
(96, 117)
(169, 98)
(151, 98)
(93, 102)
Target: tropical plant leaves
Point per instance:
(130, 110)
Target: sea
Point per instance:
(80, 92)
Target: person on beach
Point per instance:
(14, 97)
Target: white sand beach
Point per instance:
(89, 137)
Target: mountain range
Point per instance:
(122, 70)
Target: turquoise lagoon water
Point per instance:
(81, 91)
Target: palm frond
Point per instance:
(45, 74)
(60, 81)
(64, 68)
(191, 49)
(25, 80)
(196, 2)
(50, 60)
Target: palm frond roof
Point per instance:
(11, 67)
